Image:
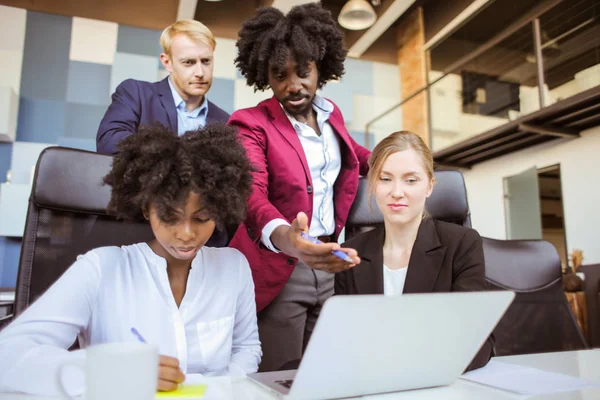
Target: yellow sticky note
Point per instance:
(183, 392)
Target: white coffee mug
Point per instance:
(116, 371)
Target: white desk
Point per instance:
(584, 364)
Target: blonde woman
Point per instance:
(412, 253)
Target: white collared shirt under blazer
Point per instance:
(109, 290)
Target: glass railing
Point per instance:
(478, 83)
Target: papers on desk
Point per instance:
(525, 380)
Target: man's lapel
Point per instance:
(168, 103)
(210, 116)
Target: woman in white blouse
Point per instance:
(195, 303)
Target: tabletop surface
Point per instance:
(584, 364)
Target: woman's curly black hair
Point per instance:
(155, 166)
(308, 31)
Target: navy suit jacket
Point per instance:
(136, 103)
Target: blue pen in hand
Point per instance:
(338, 253)
(137, 335)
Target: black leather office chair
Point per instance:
(448, 202)
(67, 217)
(540, 318)
(591, 286)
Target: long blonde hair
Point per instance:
(395, 142)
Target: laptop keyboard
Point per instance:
(286, 383)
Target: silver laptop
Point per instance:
(377, 344)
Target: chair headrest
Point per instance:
(71, 180)
(521, 265)
(448, 201)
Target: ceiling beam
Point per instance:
(385, 20)
(437, 165)
(186, 9)
(457, 22)
(549, 130)
(286, 5)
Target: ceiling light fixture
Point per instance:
(357, 15)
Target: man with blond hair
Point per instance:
(178, 101)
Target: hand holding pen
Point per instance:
(294, 241)
(169, 373)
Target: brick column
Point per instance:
(410, 39)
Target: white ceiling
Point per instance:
(286, 5)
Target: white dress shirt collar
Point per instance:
(322, 107)
(180, 103)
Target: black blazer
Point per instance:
(445, 258)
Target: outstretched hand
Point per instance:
(288, 239)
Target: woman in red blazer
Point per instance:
(412, 253)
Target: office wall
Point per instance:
(64, 69)
(580, 174)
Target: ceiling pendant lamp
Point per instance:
(357, 15)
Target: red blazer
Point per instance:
(283, 187)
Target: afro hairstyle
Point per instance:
(308, 32)
(155, 166)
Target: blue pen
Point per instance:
(137, 335)
(337, 253)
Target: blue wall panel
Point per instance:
(359, 137)
(41, 121)
(82, 120)
(10, 261)
(140, 41)
(77, 143)
(221, 93)
(46, 56)
(5, 157)
(88, 83)
(341, 95)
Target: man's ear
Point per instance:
(165, 60)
